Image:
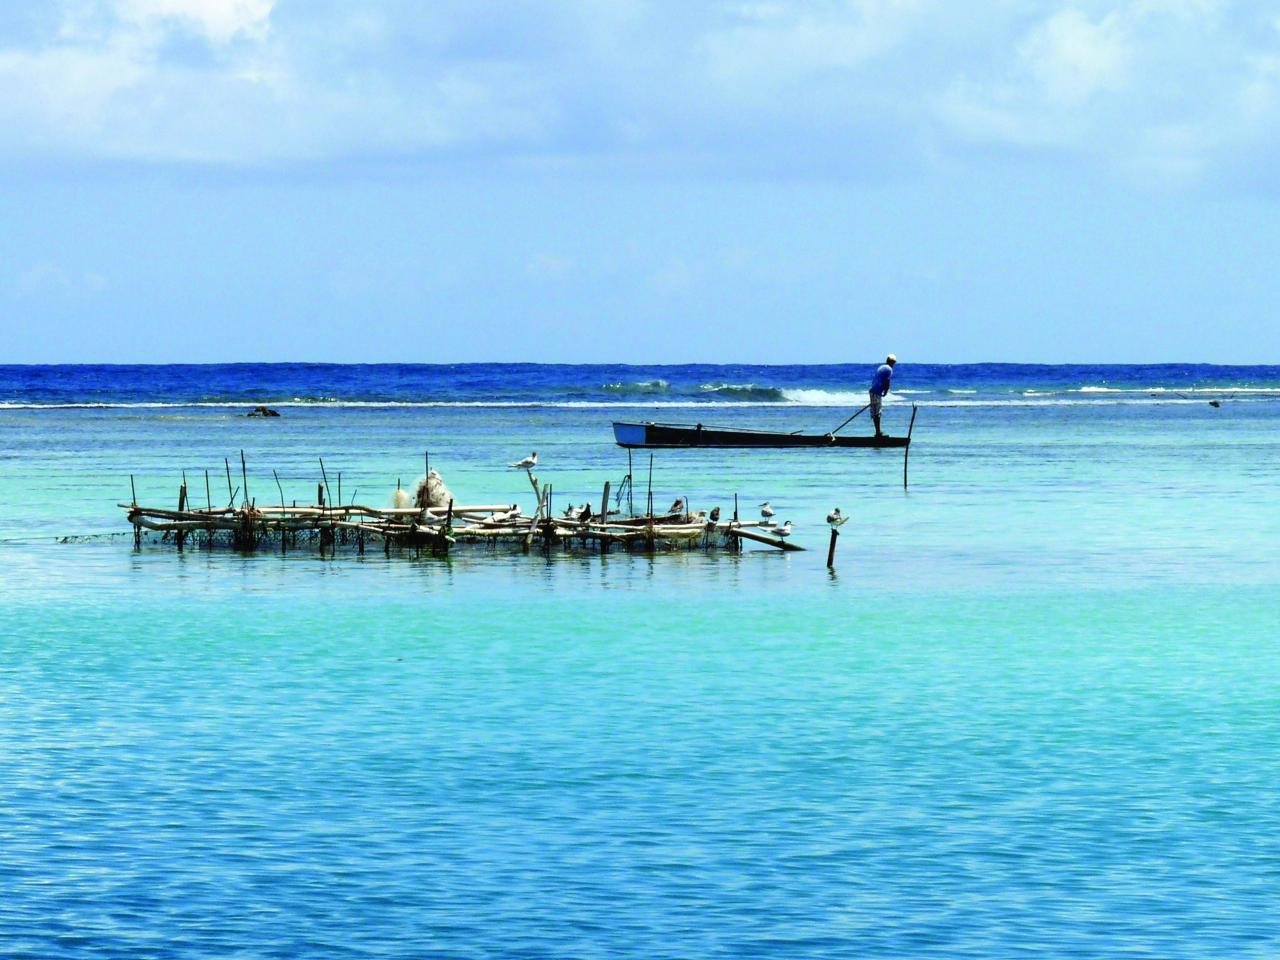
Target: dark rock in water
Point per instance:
(1215, 403)
(262, 412)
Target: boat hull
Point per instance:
(640, 435)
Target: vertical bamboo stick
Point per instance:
(604, 518)
(906, 451)
(181, 535)
(650, 498)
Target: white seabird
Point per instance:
(835, 518)
(528, 463)
(766, 511)
(784, 530)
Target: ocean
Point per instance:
(1032, 711)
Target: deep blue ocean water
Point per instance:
(1033, 711)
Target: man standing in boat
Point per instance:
(879, 387)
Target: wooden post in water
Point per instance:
(831, 550)
(137, 528)
(604, 518)
(650, 498)
(631, 486)
(208, 502)
(906, 451)
(181, 535)
(447, 532)
(231, 497)
(325, 477)
(284, 536)
(244, 476)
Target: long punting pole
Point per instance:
(906, 451)
(850, 420)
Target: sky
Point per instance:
(639, 180)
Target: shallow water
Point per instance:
(1033, 712)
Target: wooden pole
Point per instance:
(244, 476)
(324, 476)
(906, 451)
(231, 497)
(133, 493)
(181, 535)
(650, 498)
(284, 537)
(831, 550)
(631, 486)
(604, 516)
(208, 502)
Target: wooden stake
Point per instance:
(244, 476)
(906, 451)
(325, 477)
(650, 499)
(181, 535)
(133, 493)
(284, 537)
(831, 550)
(604, 515)
(231, 497)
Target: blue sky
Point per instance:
(588, 180)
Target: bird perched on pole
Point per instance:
(766, 511)
(784, 531)
(714, 516)
(528, 463)
(835, 518)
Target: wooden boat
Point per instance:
(696, 435)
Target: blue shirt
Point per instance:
(880, 382)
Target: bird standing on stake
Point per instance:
(766, 511)
(879, 387)
(528, 463)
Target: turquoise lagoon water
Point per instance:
(1032, 713)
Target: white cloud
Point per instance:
(772, 42)
(1074, 58)
(1158, 91)
(1175, 86)
(219, 20)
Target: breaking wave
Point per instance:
(746, 391)
(638, 388)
